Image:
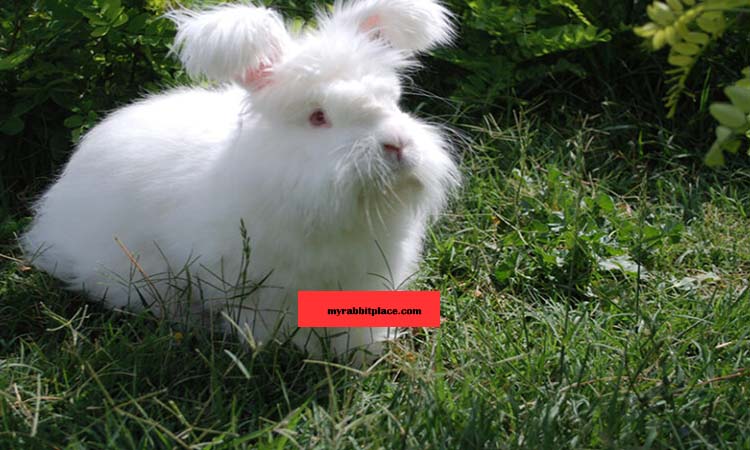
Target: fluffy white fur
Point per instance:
(224, 41)
(409, 25)
(172, 176)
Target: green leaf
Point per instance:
(75, 135)
(650, 233)
(114, 14)
(659, 40)
(111, 9)
(712, 22)
(680, 60)
(696, 37)
(605, 202)
(675, 6)
(65, 98)
(620, 263)
(120, 21)
(100, 31)
(740, 97)
(723, 133)
(137, 23)
(732, 146)
(647, 30)
(715, 156)
(23, 106)
(686, 48)
(12, 126)
(670, 34)
(503, 272)
(94, 15)
(14, 59)
(660, 13)
(73, 121)
(728, 115)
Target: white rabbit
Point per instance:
(305, 144)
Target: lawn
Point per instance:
(594, 276)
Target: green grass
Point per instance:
(595, 295)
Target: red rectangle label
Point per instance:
(348, 309)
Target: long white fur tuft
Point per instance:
(225, 41)
(409, 25)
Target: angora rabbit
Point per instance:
(304, 144)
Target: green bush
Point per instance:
(504, 44)
(63, 64)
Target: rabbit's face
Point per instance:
(336, 101)
(329, 98)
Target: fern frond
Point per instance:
(571, 6)
(688, 27)
(560, 38)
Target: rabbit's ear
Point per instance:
(409, 25)
(230, 42)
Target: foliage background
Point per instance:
(65, 63)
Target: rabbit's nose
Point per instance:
(397, 146)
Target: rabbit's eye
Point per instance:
(318, 119)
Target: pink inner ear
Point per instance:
(257, 78)
(371, 27)
(371, 23)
